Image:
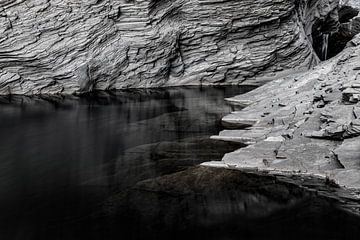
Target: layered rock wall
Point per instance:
(70, 46)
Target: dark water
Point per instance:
(60, 158)
(120, 166)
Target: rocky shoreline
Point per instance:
(307, 124)
(294, 169)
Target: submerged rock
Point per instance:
(67, 46)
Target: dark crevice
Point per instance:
(321, 32)
(346, 13)
(331, 35)
(337, 42)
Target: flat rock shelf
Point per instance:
(302, 125)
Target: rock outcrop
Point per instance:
(67, 46)
(349, 26)
(351, 3)
(307, 124)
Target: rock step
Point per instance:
(349, 178)
(239, 120)
(243, 140)
(348, 153)
(239, 102)
(247, 137)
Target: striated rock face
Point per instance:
(69, 46)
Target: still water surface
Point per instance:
(60, 158)
(87, 167)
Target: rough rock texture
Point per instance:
(68, 46)
(349, 26)
(354, 24)
(304, 124)
(352, 3)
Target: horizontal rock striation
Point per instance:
(68, 46)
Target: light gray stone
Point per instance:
(306, 137)
(68, 46)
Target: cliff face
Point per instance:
(69, 46)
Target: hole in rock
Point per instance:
(331, 36)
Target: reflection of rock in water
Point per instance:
(76, 150)
(157, 159)
(210, 203)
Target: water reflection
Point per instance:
(61, 157)
(209, 203)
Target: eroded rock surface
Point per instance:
(304, 124)
(67, 46)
